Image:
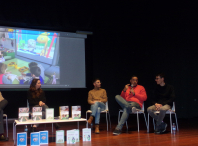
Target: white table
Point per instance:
(43, 121)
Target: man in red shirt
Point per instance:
(131, 98)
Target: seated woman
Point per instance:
(36, 98)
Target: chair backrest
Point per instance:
(173, 108)
(27, 104)
(107, 108)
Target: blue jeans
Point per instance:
(96, 108)
(127, 109)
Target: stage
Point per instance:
(187, 134)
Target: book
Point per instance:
(23, 114)
(60, 136)
(44, 137)
(76, 112)
(86, 134)
(22, 139)
(49, 114)
(77, 135)
(71, 138)
(35, 139)
(64, 112)
(36, 113)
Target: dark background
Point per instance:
(136, 38)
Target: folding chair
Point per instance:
(136, 112)
(105, 111)
(171, 111)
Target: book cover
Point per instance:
(86, 134)
(49, 114)
(71, 138)
(77, 135)
(35, 139)
(60, 136)
(64, 112)
(23, 114)
(76, 112)
(36, 113)
(22, 139)
(44, 137)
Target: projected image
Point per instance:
(36, 43)
(27, 54)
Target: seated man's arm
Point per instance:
(104, 97)
(172, 97)
(90, 98)
(141, 95)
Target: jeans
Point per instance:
(159, 118)
(96, 108)
(127, 109)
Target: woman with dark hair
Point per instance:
(36, 98)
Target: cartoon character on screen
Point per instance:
(31, 45)
(2, 59)
(35, 72)
(5, 78)
(54, 78)
(43, 38)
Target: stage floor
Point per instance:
(187, 135)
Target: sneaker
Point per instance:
(157, 129)
(163, 127)
(117, 132)
(3, 138)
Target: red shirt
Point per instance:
(139, 97)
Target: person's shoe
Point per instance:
(97, 131)
(90, 119)
(117, 132)
(33, 129)
(57, 126)
(163, 127)
(3, 138)
(157, 129)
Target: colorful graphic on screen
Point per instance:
(27, 54)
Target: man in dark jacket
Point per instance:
(162, 101)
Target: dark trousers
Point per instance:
(3, 104)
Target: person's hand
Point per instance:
(158, 106)
(126, 87)
(40, 103)
(132, 91)
(20, 77)
(93, 102)
(9, 77)
(23, 74)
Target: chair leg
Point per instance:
(145, 120)
(138, 121)
(52, 127)
(148, 124)
(176, 122)
(171, 123)
(154, 123)
(118, 116)
(107, 120)
(7, 125)
(86, 119)
(126, 125)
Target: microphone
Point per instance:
(131, 87)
